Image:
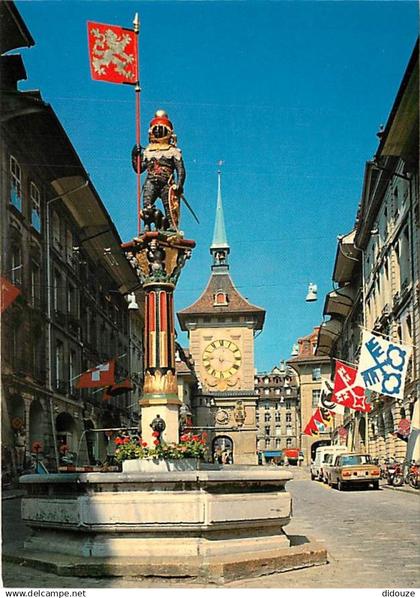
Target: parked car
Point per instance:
(351, 469)
(328, 460)
(322, 454)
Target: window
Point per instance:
(267, 443)
(266, 405)
(16, 263)
(72, 369)
(57, 290)
(267, 417)
(72, 301)
(59, 365)
(288, 404)
(278, 431)
(288, 442)
(266, 380)
(316, 374)
(289, 431)
(288, 417)
(69, 246)
(56, 234)
(267, 430)
(288, 391)
(316, 394)
(277, 391)
(35, 207)
(16, 184)
(35, 285)
(277, 443)
(220, 298)
(277, 418)
(266, 391)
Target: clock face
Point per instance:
(222, 359)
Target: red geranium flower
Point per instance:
(144, 443)
(184, 438)
(156, 434)
(156, 442)
(126, 440)
(204, 435)
(195, 438)
(118, 440)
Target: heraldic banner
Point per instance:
(325, 401)
(320, 420)
(347, 390)
(113, 53)
(8, 294)
(383, 365)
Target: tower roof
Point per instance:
(235, 303)
(220, 297)
(219, 235)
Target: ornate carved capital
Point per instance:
(160, 383)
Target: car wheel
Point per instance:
(340, 486)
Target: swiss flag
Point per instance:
(346, 392)
(101, 375)
(8, 294)
(112, 53)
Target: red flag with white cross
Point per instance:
(346, 391)
(8, 294)
(113, 53)
(99, 376)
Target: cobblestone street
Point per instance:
(372, 539)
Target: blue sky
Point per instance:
(289, 94)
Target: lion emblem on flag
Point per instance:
(109, 49)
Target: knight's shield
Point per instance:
(174, 205)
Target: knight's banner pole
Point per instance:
(114, 58)
(136, 24)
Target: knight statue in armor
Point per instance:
(161, 159)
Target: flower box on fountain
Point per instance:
(136, 456)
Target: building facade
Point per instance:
(377, 268)
(221, 325)
(278, 415)
(311, 369)
(60, 248)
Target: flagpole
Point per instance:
(387, 337)
(136, 23)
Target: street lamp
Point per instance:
(312, 293)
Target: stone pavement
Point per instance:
(372, 537)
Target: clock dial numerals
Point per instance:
(222, 359)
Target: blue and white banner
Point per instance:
(383, 365)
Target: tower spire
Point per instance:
(220, 246)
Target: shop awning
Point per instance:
(327, 335)
(339, 302)
(291, 453)
(272, 453)
(346, 259)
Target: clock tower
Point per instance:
(221, 326)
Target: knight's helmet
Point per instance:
(161, 129)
